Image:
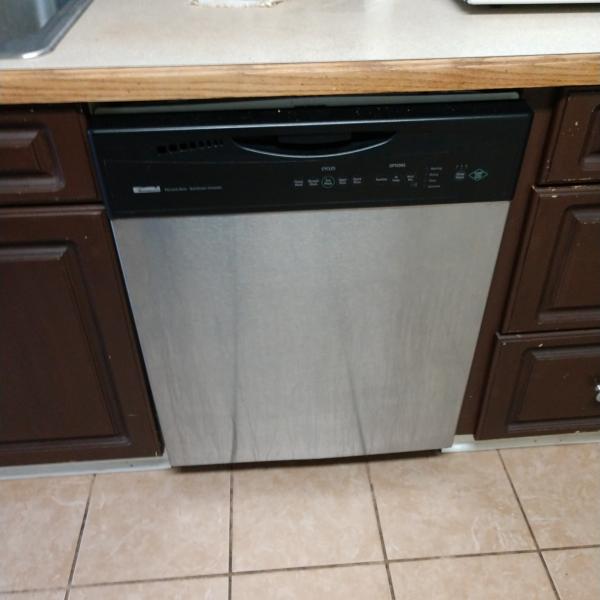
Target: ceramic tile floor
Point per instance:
(521, 524)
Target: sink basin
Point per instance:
(29, 28)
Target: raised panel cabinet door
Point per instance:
(574, 154)
(71, 381)
(44, 157)
(557, 283)
(542, 383)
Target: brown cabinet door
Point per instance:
(71, 382)
(557, 283)
(44, 157)
(574, 154)
(543, 383)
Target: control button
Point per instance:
(396, 179)
(342, 181)
(314, 182)
(298, 183)
(478, 175)
(357, 180)
(459, 176)
(412, 181)
(381, 179)
(433, 177)
(328, 182)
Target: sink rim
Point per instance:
(47, 37)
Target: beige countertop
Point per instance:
(155, 34)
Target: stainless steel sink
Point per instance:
(29, 28)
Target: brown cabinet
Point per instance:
(71, 382)
(574, 154)
(557, 283)
(543, 383)
(44, 157)
(545, 364)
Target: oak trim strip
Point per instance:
(28, 86)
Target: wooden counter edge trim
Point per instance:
(27, 86)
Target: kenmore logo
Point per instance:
(146, 189)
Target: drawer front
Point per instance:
(44, 157)
(542, 384)
(557, 284)
(575, 154)
(71, 380)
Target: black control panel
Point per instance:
(309, 158)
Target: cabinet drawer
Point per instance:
(574, 154)
(44, 157)
(542, 384)
(557, 283)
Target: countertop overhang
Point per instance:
(169, 50)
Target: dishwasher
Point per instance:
(308, 278)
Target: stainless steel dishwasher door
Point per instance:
(309, 334)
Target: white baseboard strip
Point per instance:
(86, 467)
(462, 443)
(467, 443)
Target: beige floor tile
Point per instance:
(368, 582)
(559, 488)
(186, 589)
(446, 505)
(58, 595)
(303, 516)
(40, 521)
(501, 577)
(576, 573)
(156, 524)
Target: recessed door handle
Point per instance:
(314, 146)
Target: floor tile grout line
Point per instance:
(516, 495)
(151, 580)
(399, 560)
(31, 591)
(459, 556)
(380, 530)
(382, 562)
(329, 566)
(559, 548)
(230, 564)
(298, 568)
(209, 576)
(547, 569)
(79, 538)
(522, 509)
(286, 569)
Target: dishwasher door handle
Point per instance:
(311, 146)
